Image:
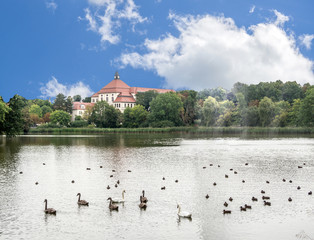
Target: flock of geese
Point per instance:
(143, 200)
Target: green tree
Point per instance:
(4, 110)
(307, 108)
(209, 111)
(294, 117)
(144, 98)
(60, 117)
(266, 111)
(77, 98)
(46, 109)
(166, 107)
(35, 109)
(250, 116)
(104, 116)
(135, 117)
(291, 91)
(87, 99)
(60, 102)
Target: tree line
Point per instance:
(274, 104)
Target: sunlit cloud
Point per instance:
(51, 5)
(306, 40)
(52, 88)
(212, 51)
(252, 9)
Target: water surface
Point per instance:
(150, 157)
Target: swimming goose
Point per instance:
(163, 188)
(81, 202)
(112, 206)
(242, 208)
(49, 210)
(142, 205)
(226, 211)
(108, 187)
(119, 200)
(247, 206)
(144, 199)
(183, 214)
(254, 199)
(267, 203)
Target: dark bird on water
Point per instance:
(226, 204)
(81, 202)
(207, 196)
(298, 187)
(265, 198)
(72, 181)
(254, 199)
(144, 199)
(230, 199)
(310, 193)
(112, 206)
(214, 184)
(247, 206)
(262, 191)
(242, 208)
(226, 211)
(176, 181)
(289, 199)
(267, 203)
(129, 171)
(49, 210)
(163, 188)
(108, 187)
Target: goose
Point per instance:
(246, 164)
(36, 183)
(231, 169)
(207, 196)
(108, 187)
(283, 180)
(265, 198)
(118, 182)
(289, 199)
(142, 205)
(262, 191)
(226, 211)
(298, 187)
(211, 164)
(243, 181)
(113, 170)
(119, 200)
(299, 166)
(112, 206)
(242, 208)
(176, 180)
(254, 199)
(100, 166)
(111, 175)
(49, 210)
(163, 188)
(116, 185)
(214, 184)
(21, 172)
(81, 202)
(144, 199)
(183, 214)
(129, 171)
(235, 172)
(226, 204)
(230, 199)
(204, 167)
(163, 178)
(88, 168)
(290, 181)
(267, 181)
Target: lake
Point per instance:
(197, 162)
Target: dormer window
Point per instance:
(82, 106)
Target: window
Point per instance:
(93, 99)
(102, 99)
(112, 99)
(82, 106)
(107, 98)
(80, 112)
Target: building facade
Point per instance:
(116, 93)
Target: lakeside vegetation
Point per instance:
(267, 107)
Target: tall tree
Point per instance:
(266, 111)
(35, 109)
(77, 98)
(210, 111)
(4, 110)
(60, 117)
(135, 117)
(144, 98)
(60, 102)
(104, 115)
(188, 98)
(307, 108)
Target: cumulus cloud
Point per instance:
(252, 9)
(281, 18)
(52, 88)
(306, 40)
(51, 5)
(212, 51)
(106, 20)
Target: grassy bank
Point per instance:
(197, 130)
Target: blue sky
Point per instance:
(75, 46)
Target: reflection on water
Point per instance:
(150, 158)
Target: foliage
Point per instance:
(144, 98)
(77, 98)
(166, 107)
(36, 110)
(135, 117)
(104, 116)
(63, 103)
(188, 98)
(307, 109)
(266, 111)
(46, 109)
(219, 94)
(210, 111)
(4, 110)
(87, 100)
(60, 117)
(79, 124)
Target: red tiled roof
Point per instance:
(125, 98)
(135, 90)
(78, 105)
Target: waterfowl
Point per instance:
(246, 164)
(298, 187)
(289, 199)
(204, 167)
(116, 185)
(226, 176)
(163, 178)
(254, 199)
(81, 202)
(113, 170)
(119, 200)
(267, 203)
(283, 180)
(183, 214)
(144, 199)
(226, 204)
(100, 166)
(303, 163)
(230, 199)
(243, 181)
(111, 175)
(112, 206)
(36, 183)
(142, 205)
(21, 172)
(226, 211)
(247, 206)
(218, 165)
(235, 172)
(44, 163)
(163, 188)
(207, 196)
(310, 193)
(262, 191)
(88, 168)
(118, 182)
(211, 164)
(108, 187)
(231, 169)
(49, 210)
(129, 171)
(72, 181)
(265, 198)
(267, 181)
(176, 180)
(214, 183)
(299, 166)
(242, 208)
(290, 181)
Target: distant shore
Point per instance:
(196, 130)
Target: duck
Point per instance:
(231, 169)
(36, 183)
(119, 200)
(49, 210)
(207, 196)
(226, 176)
(254, 199)
(226, 211)
(265, 198)
(262, 191)
(113, 170)
(235, 172)
(298, 187)
(290, 181)
(247, 206)
(246, 164)
(243, 181)
(242, 208)
(299, 166)
(144, 199)
(44, 163)
(129, 171)
(72, 181)
(176, 180)
(100, 166)
(218, 165)
(310, 193)
(289, 199)
(214, 183)
(267, 203)
(204, 167)
(163, 188)
(116, 185)
(111, 175)
(88, 168)
(81, 202)
(183, 214)
(108, 187)
(142, 205)
(230, 199)
(163, 178)
(267, 181)
(283, 180)
(211, 164)
(118, 182)
(226, 204)
(112, 206)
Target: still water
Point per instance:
(150, 158)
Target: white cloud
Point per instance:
(281, 18)
(252, 9)
(212, 51)
(306, 40)
(52, 88)
(51, 5)
(107, 23)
